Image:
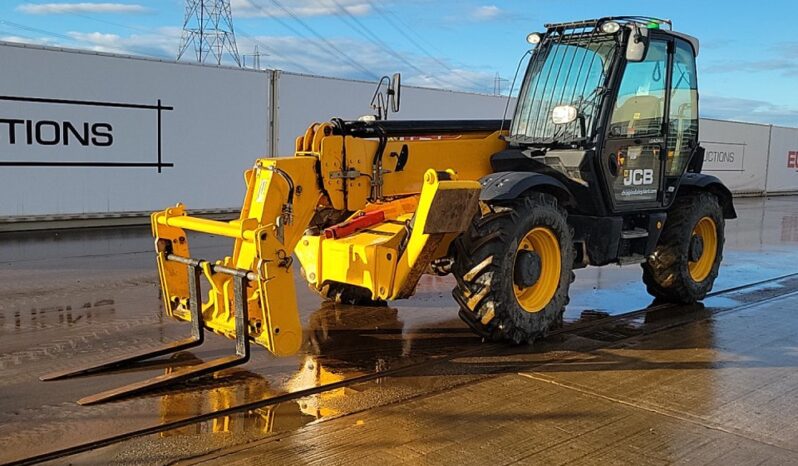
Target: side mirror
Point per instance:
(637, 45)
(395, 91)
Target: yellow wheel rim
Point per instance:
(708, 232)
(544, 242)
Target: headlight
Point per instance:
(534, 38)
(563, 114)
(610, 27)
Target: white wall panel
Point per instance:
(737, 153)
(57, 109)
(783, 163)
(213, 127)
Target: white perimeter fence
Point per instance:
(103, 135)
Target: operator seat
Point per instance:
(638, 114)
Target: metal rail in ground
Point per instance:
(572, 328)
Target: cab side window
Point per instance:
(641, 96)
(683, 118)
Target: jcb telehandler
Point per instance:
(600, 164)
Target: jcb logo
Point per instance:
(638, 177)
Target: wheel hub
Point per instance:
(527, 268)
(703, 249)
(696, 248)
(537, 269)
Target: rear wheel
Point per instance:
(513, 269)
(685, 264)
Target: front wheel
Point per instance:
(513, 269)
(685, 264)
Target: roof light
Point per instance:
(610, 27)
(534, 38)
(653, 25)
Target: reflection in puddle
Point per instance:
(344, 337)
(177, 406)
(58, 315)
(338, 348)
(789, 228)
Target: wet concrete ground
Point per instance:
(78, 297)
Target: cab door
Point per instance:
(682, 124)
(633, 156)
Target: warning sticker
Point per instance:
(261, 191)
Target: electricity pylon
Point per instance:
(208, 26)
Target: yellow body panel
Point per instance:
(468, 156)
(382, 258)
(366, 259)
(426, 204)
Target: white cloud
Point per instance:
(750, 110)
(27, 40)
(265, 8)
(161, 43)
(94, 37)
(486, 13)
(82, 7)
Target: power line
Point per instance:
(37, 30)
(17, 35)
(403, 31)
(152, 32)
(376, 40)
(407, 26)
(424, 50)
(112, 23)
(357, 25)
(239, 30)
(273, 51)
(68, 39)
(320, 37)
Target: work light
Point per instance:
(610, 27)
(534, 38)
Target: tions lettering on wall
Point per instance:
(723, 156)
(42, 132)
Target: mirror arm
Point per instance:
(377, 100)
(582, 126)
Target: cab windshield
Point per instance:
(566, 69)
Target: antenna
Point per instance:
(208, 26)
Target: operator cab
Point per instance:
(609, 107)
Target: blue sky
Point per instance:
(748, 66)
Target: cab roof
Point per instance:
(639, 21)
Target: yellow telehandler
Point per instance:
(600, 164)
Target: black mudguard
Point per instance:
(692, 182)
(506, 186)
